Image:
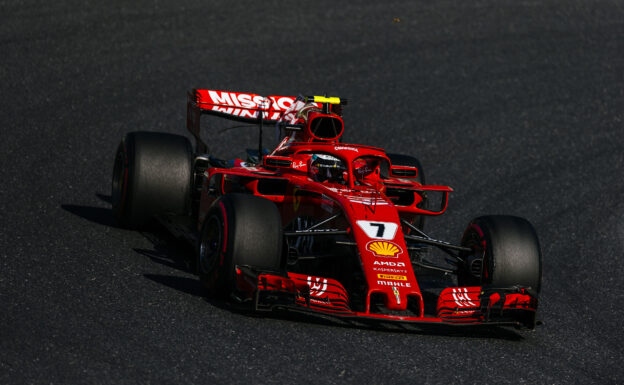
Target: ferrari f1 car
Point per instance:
(318, 225)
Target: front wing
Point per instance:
(274, 291)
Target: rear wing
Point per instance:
(245, 107)
(242, 107)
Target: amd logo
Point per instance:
(389, 263)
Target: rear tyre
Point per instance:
(239, 229)
(151, 176)
(506, 252)
(410, 161)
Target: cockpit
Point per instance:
(367, 170)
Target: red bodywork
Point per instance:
(372, 195)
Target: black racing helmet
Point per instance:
(324, 167)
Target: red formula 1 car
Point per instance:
(322, 226)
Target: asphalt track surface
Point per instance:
(517, 105)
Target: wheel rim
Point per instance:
(210, 246)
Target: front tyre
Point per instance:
(505, 252)
(239, 229)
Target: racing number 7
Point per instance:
(380, 229)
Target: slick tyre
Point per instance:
(506, 252)
(151, 176)
(239, 229)
(410, 161)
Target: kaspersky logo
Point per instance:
(384, 249)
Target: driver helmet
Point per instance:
(325, 167)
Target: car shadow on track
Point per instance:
(171, 255)
(100, 215)
(473, 332)
(183, 284)
(480, 332)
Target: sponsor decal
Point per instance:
(299, 164)
(390, 270)
(384, 249)
(245, 105)
(396, 294)
(389, 263)
(344, 148)
(394, 283)
(317, 288)
(460, 295)
(393, 277)
(378, 230)
(235, 99)
(251, 114)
